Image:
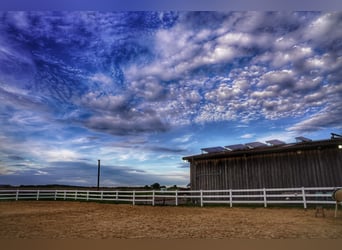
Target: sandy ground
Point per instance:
(88, 220)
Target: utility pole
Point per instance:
(98, 174)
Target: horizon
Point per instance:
(141, 90)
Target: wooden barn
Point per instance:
(276, 164)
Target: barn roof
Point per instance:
(264, 149)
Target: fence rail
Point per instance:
(264, 196)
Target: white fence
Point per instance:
(302, 196)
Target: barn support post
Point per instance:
(38, 194)
(230, 198)
(201, 194)
(17, 195)
(304, 198)
(265, 200)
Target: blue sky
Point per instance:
(140, 90)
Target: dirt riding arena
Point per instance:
(89, 220)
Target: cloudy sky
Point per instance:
(140, 90)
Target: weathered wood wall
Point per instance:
(307, 168)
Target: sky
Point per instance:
(141, 90)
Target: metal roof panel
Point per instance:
(213, 149)
(256, 144)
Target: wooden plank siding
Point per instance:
(316, 166)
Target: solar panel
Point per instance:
(335, 136)
(213, 149)
(275, 142)
(236, 147)
(302, 139)
(256, 144)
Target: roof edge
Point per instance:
(269, 149)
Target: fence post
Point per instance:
(64, 194)
(201, 198)
(176, 197)
(304, 198)
(87, 195)
(76, 195)
(55, 195)
(153, 198)
(17, 195)
(117, 195)
(230, 198)
(38, 194)
(133, 197)
(265, 200)
(101, 195)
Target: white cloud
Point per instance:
(104, 103)
(101, 78)
(277, 78)
(180, 50)
(39, 172)
(308, 83)
(76, 180)
(235, 38)
(118, 153)
(183, 139)
(285, 136)
(214, 113)
(290, 56)
(134, 122)
(6, 171)
(247, 136)
(223, 93)
(9, 52)
(270, 85)
(284, 43)
(59, 155)
(328, 117)
(325, 28)
(149, 88)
